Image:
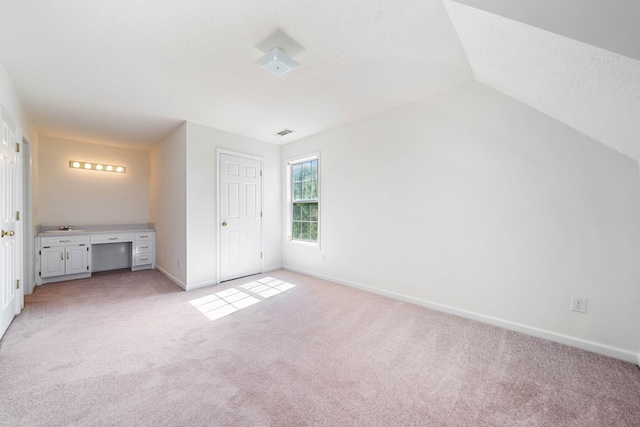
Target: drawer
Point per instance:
(143, 246)
(143, 258)
(111, 238)
(144, 236)
(63, 241)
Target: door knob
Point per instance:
(7, 233)
(224, 223)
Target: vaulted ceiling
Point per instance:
(127, 72)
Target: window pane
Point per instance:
(296, 231)
(297, 172)
(313, 212)
(313, 231)
(296, 212)
(297, 191)
(306, 171)
(314, 169)
(306, 190)
(313, 190)
(305, 212)
(304, 230)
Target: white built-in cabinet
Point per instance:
(144, 250)
(66, 256)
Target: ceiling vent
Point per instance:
(284, 132)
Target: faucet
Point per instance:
(65, 228)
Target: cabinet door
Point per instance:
(76, 259)
(52, 262)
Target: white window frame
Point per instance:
(289, 207)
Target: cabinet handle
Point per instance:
(144, 247)
(61, 256)
(143, 237)
(63, 241)
(8, 233)
(67, 255)
(112, 238)
(144, 259)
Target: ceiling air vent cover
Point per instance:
(284, 132)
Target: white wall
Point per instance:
(70, 196)
(168, 204)
(476, 204)
(202, 142)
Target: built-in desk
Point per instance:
(75, 254)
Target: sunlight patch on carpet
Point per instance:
(229, 301)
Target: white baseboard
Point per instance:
(184, 286)
(199, 285)
(172, 278)
(273, 268)
(604, 349)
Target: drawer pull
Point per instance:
(112, 238)
(63, 241)
(144, 259)
(143, 237)
(144, 247)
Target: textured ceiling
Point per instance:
(125, 72)
(610, 24)
(593, 90)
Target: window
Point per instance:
(303, 195)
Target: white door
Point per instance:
(240, 225)
(10, 243)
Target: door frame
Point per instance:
(219, 153)
(28, 233)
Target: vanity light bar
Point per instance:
(75, 164)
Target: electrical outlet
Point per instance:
(578, 304)
(324, 258)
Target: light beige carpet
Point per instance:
(283, 349)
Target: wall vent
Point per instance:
(284, 132)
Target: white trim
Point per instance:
(182, 285)
(272, 268)
(205, 284)
(172, 278)
(220, 151)
(595, 347)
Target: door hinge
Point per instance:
(87, 250)
(17, 284)
(260, 254)
(260, 214)
(260, 173)
(40, 273)
(17, 215)
(87, 268)
(39, 252)
(17, 147)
